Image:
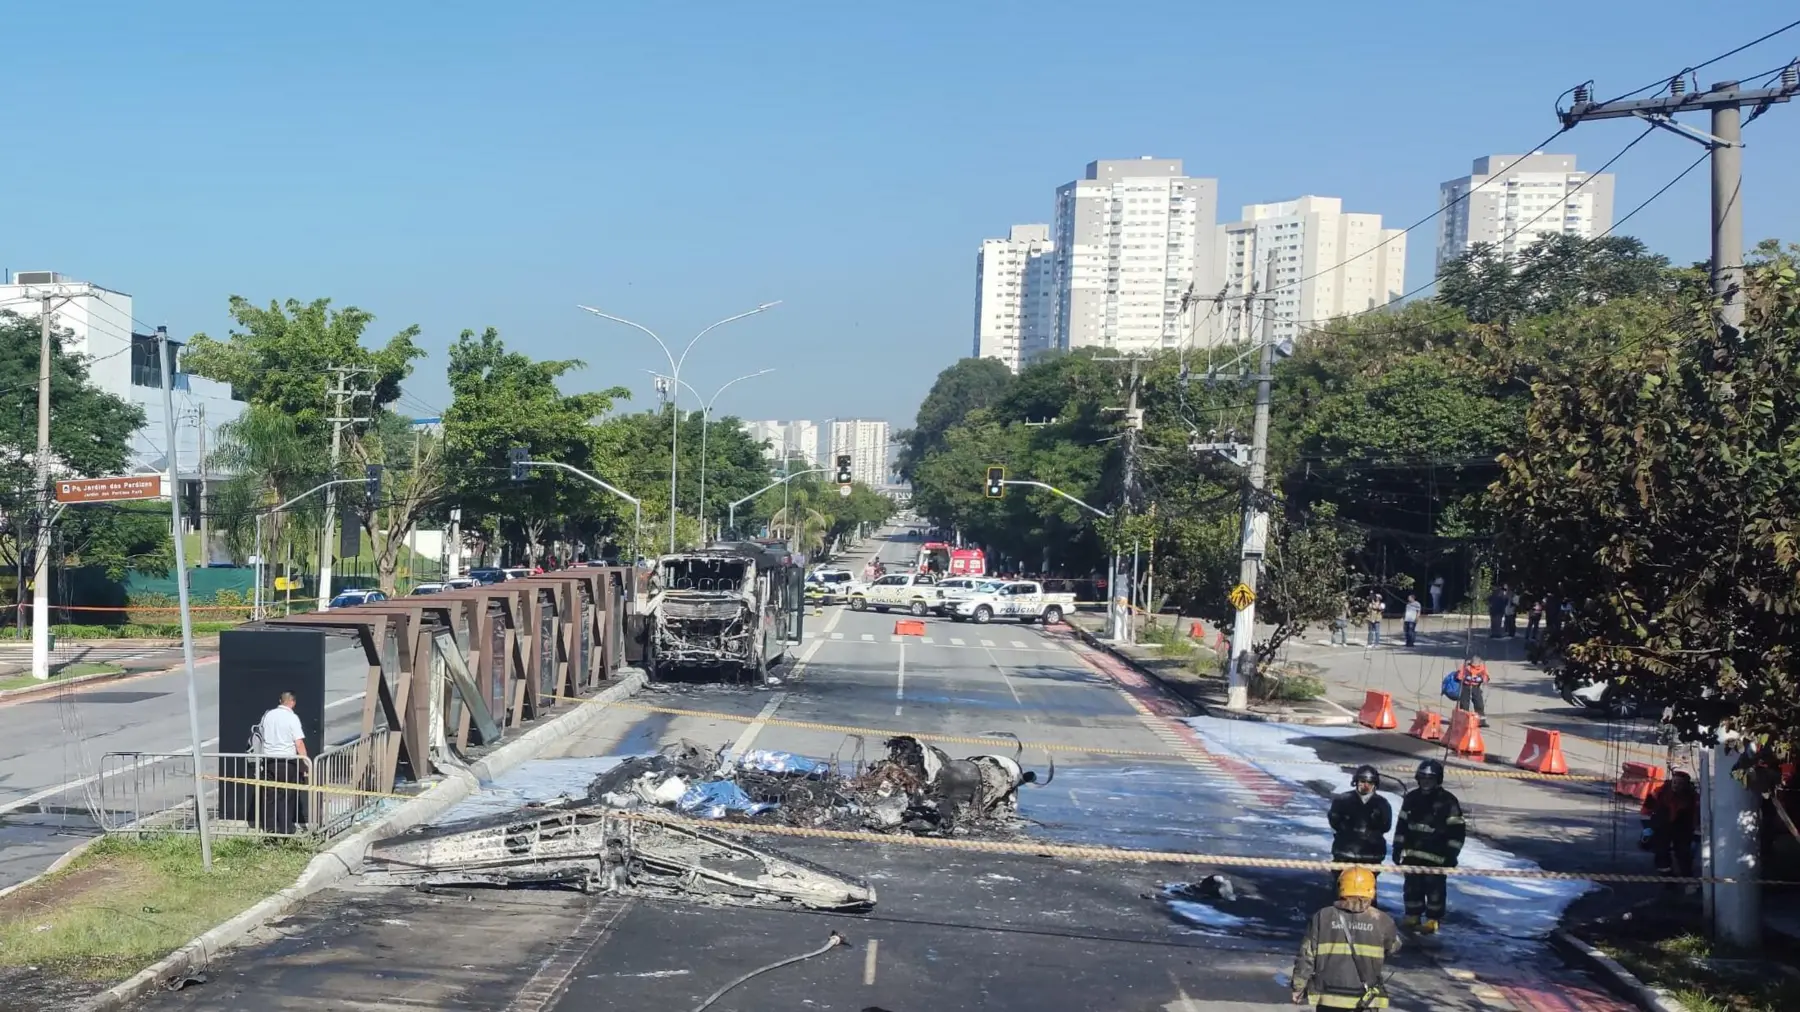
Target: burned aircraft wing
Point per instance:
(598, 849)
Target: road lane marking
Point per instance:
(868, 637)
(837, 636)
(895, 639)
(742, 744)
(869, 962)
(926, 639)
(987, 643)
(955, 642)
(1018, 644)
(900, 681)
(51, 792)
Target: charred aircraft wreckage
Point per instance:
(730, 610)
(622, 836)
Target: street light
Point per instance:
(675, 365)
(732, 514)
(706, 416)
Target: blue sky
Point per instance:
(462, 165)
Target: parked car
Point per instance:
(1024, 600)
(827, 586)
(460, 583)
(958, 588)
(517, 572)
(485, 576)
(355, 596)
(429, 588)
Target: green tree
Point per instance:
(968, 385)
(501, 399)
(1658, 485)
(269, 460)
(281, 356)
(90, 435)
(1555, 274)
(414, 481)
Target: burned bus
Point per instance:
(729, 611)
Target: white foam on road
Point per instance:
(1521, 908)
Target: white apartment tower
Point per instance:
(1531, 195)
(783, 440)
(1013, 296)
(866, 441)
(1319, 261)
(1133, 237)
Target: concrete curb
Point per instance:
(1213, 709)
(58, 684)
(344, 859)
(55, 866)
(1622, 981)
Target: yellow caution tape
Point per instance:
(1028, 848)
(809, 725)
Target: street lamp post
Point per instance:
(256, 609)
(706, 417)
(731, 516)
(675, 365)
(637, 536)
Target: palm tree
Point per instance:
(270, 461)
(807, 529)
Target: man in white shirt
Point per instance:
(284, 760)
(1411, 617)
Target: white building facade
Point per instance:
(1533, 195)
(1319, 261)
(783, 440)
(1014, 296)
(123, 362)
(866, 441)
(1133, 241)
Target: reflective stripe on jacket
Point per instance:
(1342, 956)
(1431, 828)
(1359, 828)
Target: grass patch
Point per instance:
(1703, 979)
(125, 902)
(66, 671)
(129, 631)
(1286, 684)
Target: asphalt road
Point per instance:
(952, 930)
(52, 750)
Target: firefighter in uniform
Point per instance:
(1430, 832)
(1345, 947)
(1360, 819)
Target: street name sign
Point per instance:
(119, 489)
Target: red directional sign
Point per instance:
(130, 486)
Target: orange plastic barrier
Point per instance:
(1377, 711)
(1196, 631)
(1637, 780)
(1427, 725)
(1465, 734)
(909, 627)
(1542, 752)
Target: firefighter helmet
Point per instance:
(1366, 775)
(1356, 884)
(1431, 770)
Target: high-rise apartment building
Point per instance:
(1319, 261)
(866, 441)
(1513, 201)
(784, 440)
(1013, 296)
(1133, 237)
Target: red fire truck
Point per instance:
(943, 560)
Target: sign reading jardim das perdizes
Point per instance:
(123, 487)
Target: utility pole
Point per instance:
(1119, 619)
(1726, 102)
(205, 528)
(1255, 531)
(1733, 840)
(343, 413)
(40, 562)
(181, 590)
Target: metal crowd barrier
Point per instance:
(153, 792)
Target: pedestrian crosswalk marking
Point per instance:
(987, 643)
(868, 637)
(893, 639)
(955, 642)
(926, 639)
(837, 636)
(1018, 644)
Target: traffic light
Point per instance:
(843, 469)
(996, 483)
(517, 456)
(372, 482)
